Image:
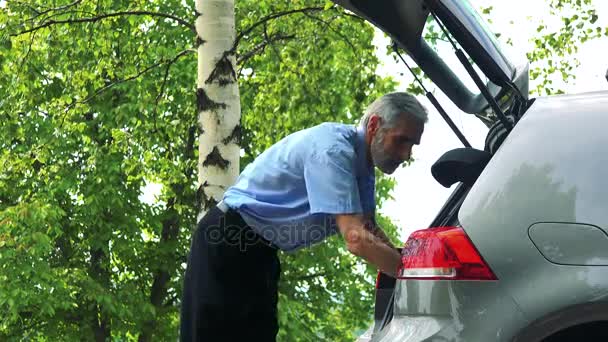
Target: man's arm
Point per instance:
(363, 243)
(376, 230)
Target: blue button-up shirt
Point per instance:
(290, 193)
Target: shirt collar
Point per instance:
(363, 168)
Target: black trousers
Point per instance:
(230, 287)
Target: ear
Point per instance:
(373, 124)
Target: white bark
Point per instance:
(218, 98)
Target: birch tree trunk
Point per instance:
(218, 100)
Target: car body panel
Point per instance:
(551, 168)
(566, 318)
(570, 243)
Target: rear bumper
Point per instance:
(407, 329)
(426, 329)
(414, 329)
(452, 311)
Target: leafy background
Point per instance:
(97, 100)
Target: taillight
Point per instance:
(442, 253)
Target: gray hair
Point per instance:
(392, 106)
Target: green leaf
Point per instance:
(5, 42)
(594, 18)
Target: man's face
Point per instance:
(390, 147)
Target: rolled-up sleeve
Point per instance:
(331, 183)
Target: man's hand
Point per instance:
(379, 233)
(363, 243)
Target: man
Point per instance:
(310, 185)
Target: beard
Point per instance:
(381, 159)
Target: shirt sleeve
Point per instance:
(331, 183)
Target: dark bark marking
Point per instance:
(203, 201)
(204, 103)
(223, 73)
(215, 159)
(234, 136)
(200, 41)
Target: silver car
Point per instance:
(519, 252)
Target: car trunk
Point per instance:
(385, 285)
(501, 102)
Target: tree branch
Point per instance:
(161, 275)
(326, 24)
(260, 47)
(24, 4)
(108, 86)
(56, 14)
(271, 17)
(166, 76)
(29, 49)
(352, 15)
(287, 65)
(46, 9)
(105, 16)
(267, 38)
(169, 234)
(145, 70)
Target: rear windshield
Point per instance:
(435, 38)
(479, 29)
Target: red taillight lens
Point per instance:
(442, 253)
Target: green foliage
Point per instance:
(87, 117)
(97, 99)
(553, 57)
